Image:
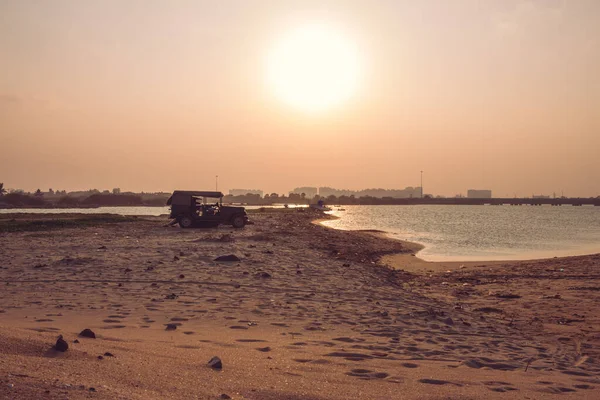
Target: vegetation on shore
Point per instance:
(81, 200)
(44, 222)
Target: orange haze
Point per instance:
(157, 95)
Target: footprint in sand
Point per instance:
(556, 390)
(583, 386)
(349, 356)
(410, 365)
(498, 386)
(437, 382)
(367, 374)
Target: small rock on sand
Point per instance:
(171, 327)
(225, 397)
(87, 333)
(61, 344)
(215, 363)
(264, 275)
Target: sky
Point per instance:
(151, 95)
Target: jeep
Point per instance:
(192, 209)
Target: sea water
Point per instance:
(479, 233)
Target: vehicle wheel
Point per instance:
(186, 222)
(238, 221)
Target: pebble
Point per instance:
(171, 327)
(61, 344)
(215, 363)
(87, 333)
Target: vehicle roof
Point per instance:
(193, 193)
(198, 193)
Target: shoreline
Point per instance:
(413, 263)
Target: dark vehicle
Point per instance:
(192, 209)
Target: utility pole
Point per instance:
(421, 184)
(216, 183)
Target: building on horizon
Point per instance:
(540, 196)
(243, 192)
(479, 194)
(408, 192)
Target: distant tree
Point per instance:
(2, 190)
(50, 191)
(303, 195)
(67, 201)
(38, 193)
(274, 195)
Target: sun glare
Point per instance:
(313, 68)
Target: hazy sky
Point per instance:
(157, 95)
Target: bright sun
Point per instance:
(313, 68)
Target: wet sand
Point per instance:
(306, 313)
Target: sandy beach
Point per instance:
(303, 312)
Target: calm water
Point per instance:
(477, 233)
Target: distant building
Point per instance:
(408, 192)
(540, 196)
(243, 192)
(117, 191)
(479, 194)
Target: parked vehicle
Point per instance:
(193, 209)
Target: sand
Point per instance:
(307, 313)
